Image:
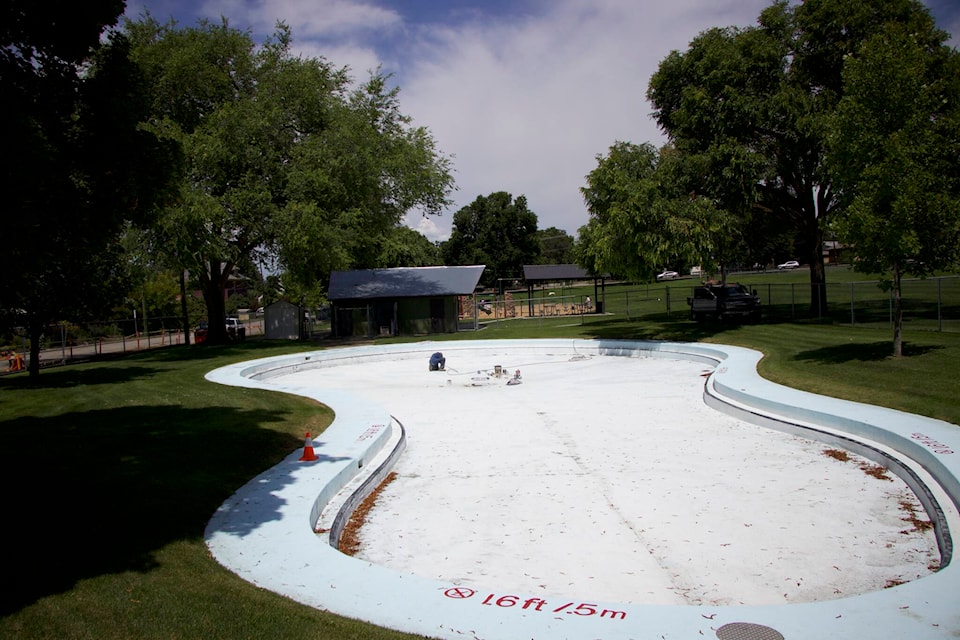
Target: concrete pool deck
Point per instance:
(265, 532)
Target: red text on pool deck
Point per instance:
(372, 431)
(927, 441)
(536, 604)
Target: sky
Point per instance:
(522, 95)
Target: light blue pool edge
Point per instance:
(925, 608)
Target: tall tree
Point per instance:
(76, 166)
(556, 246)
(644, 217)
(353, 182)
(754, 103)
(895, 153)
(281, 157)
(236, 111)
(497, 231)
(406, 247)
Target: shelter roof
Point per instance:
(551, 272)
(404, 282)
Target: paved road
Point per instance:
(60, 355)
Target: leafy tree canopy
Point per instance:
(76, 165)
(281, 157)
(556, 246)
(753, 106)
(895, 153)
(406, 247)
(497, 231)
(645, 217)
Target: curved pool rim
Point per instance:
(266, 531)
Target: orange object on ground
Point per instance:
(308, 454)
(16, 362)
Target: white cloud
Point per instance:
(336, 30)
(523, 102)
(526, 106)
(360, 59)
(308, 18)
(426, 225)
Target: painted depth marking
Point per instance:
(370, 432)
(536, 604)
(929, 442)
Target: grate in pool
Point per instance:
(747, 631)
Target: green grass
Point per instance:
(111, 470)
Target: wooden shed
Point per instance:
(282, 320)
(403, 301)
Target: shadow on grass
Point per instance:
(75, 377)
(248, 349)
(671, 330)
(98, 492)
(860, 352)
(127, 367)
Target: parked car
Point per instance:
(789, 264)
(667, 275)
(724, 302)
(200, 333)
(235, 329)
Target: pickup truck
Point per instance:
(235, 329)
(723, 302)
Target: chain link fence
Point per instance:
(67, 342)
(931, 304)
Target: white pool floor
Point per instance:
(609, 479)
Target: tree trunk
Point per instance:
(897, 313)
(818, 281)
(213, 283)
(183, 307)
(36, 335)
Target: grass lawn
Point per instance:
(111, 470)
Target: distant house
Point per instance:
(834, 252)
(404, 301)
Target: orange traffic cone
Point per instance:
(308, 454)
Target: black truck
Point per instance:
(724, 302)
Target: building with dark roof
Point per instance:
(404, 301)
(535, 273)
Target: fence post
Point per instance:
(853, 321)
(939, 304)
(821, 295)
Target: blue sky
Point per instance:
(523, 94)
